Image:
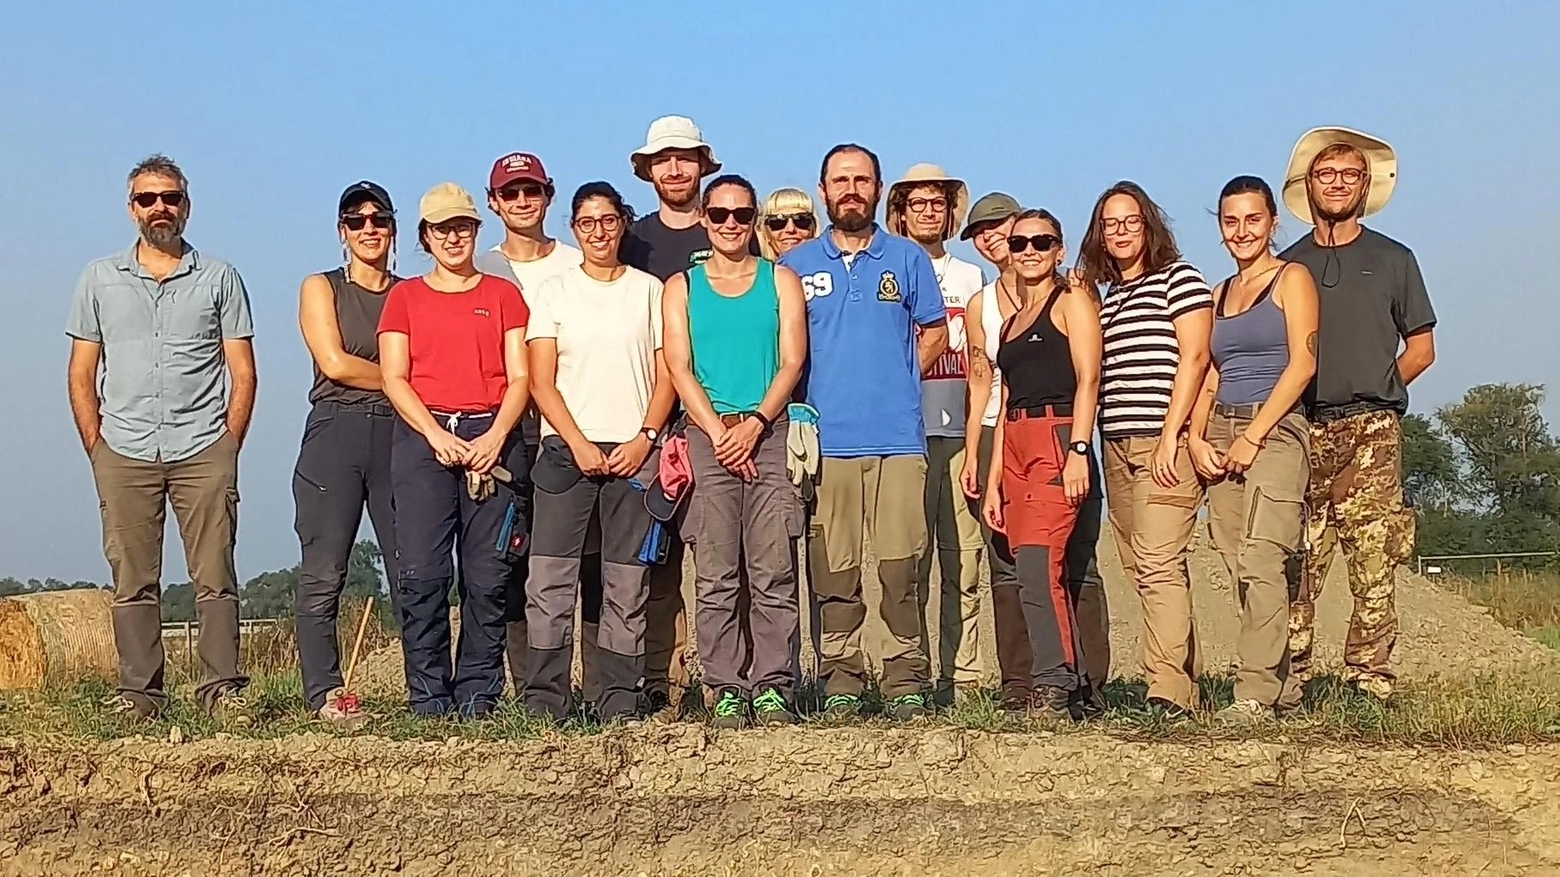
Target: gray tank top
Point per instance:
(1250, 349)
(357, 313)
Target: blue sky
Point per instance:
(272, 108)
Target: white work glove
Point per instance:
(801, 443)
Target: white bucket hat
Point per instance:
(1379, 158)
(673, 132)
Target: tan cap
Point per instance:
(994, 207)
(447, 201)
(922, 174)
(1379, 158)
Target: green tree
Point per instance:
(178, 602)
(271, 594)
(1510, 461)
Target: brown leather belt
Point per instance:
(730, 420)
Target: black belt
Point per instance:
(376, 409)
(1331, 413)
(1243, 412)
(1039, 411)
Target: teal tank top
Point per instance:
(735, 339)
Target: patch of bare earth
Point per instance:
(680, 800)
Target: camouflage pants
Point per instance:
(1356, 501)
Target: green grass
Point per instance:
(1525, 600)
(1549, 636)
(1493, 710)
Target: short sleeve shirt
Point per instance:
(607, 335)
(945, 390)
(1371, 296)
(162, 388)
(864, 374)
(456, 340)
(660, 251)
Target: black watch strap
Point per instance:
(1079, 448)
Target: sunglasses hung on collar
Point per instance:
(803, 221)
(719, 215)
(1043, 243)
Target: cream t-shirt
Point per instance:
(531, 274)
(944, 393)
(607, 335)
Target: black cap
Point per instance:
(362, 191)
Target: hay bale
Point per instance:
(57, 637)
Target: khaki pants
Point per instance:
(133, 497)
(1356, 500)
(882, 496)
(953, 522)
(1257, 522)
(1153, 529)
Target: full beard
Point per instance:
(851, 223)
(164, 234)
(676, 198)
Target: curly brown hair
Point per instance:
(1159, 248)
(899, 203)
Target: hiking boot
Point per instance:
(1243, 713)
(1014, 700)
(128, 709)
(730, 710)
(656, 700)
(1087, 704)
(770, 708)
(1169, 710)
(907, 707)
(342, 711)
(842, 706)
(1047, 702)
(233, 709)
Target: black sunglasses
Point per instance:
(529, 190)
(1043, 243)
(803, 221)
(719, 215)
(150, 199)
(358, 221)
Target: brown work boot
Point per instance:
(1050, 704)
(129, 709)
(1014, 700)
(231, 708)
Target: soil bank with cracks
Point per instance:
(682, 800)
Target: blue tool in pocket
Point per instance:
(658, 539)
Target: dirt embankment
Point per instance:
(679, 800)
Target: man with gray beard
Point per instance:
(162, 384)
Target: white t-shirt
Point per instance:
(607, 336)
(531, 274)
(944, 396)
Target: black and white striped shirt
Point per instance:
(1141, 351)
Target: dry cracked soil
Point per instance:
(681, 799)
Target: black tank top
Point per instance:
(1037, 364)
(357, 313)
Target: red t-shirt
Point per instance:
(456, 340)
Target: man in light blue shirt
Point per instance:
(876, 323)
(162, 384)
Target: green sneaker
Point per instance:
(771, 708)
(731, 710)
(842, 706)
(907, 707)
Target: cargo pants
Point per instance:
(953, 526)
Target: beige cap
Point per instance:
(447, 201)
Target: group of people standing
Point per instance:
(543, 427)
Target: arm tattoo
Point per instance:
(980, 366)
(1310, 343)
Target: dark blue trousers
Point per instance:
(436, 520)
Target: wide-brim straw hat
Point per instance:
(921, 174)
(1379, 157)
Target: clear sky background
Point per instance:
(272, 108)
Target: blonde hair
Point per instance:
(784, 202)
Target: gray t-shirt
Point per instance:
(1376, 298)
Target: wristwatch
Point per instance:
(1079, 448)
(651, 433)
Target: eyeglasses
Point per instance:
(719, 215)
(1351, 176)
(1043, 243)
(1130, 224)
(445, 230)
(588, 224)
(532, 191)
(149, 199)
(802, 221)
(360, 221)
(922, 205)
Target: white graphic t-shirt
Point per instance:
(944, 394)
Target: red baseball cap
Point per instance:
(517, 166)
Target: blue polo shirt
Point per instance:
(863, 375)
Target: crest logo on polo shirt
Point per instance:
(817, 285)
(888, 288)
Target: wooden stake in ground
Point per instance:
(357, 644)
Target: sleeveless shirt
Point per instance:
(357, 315)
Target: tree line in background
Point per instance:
(1483, 475)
